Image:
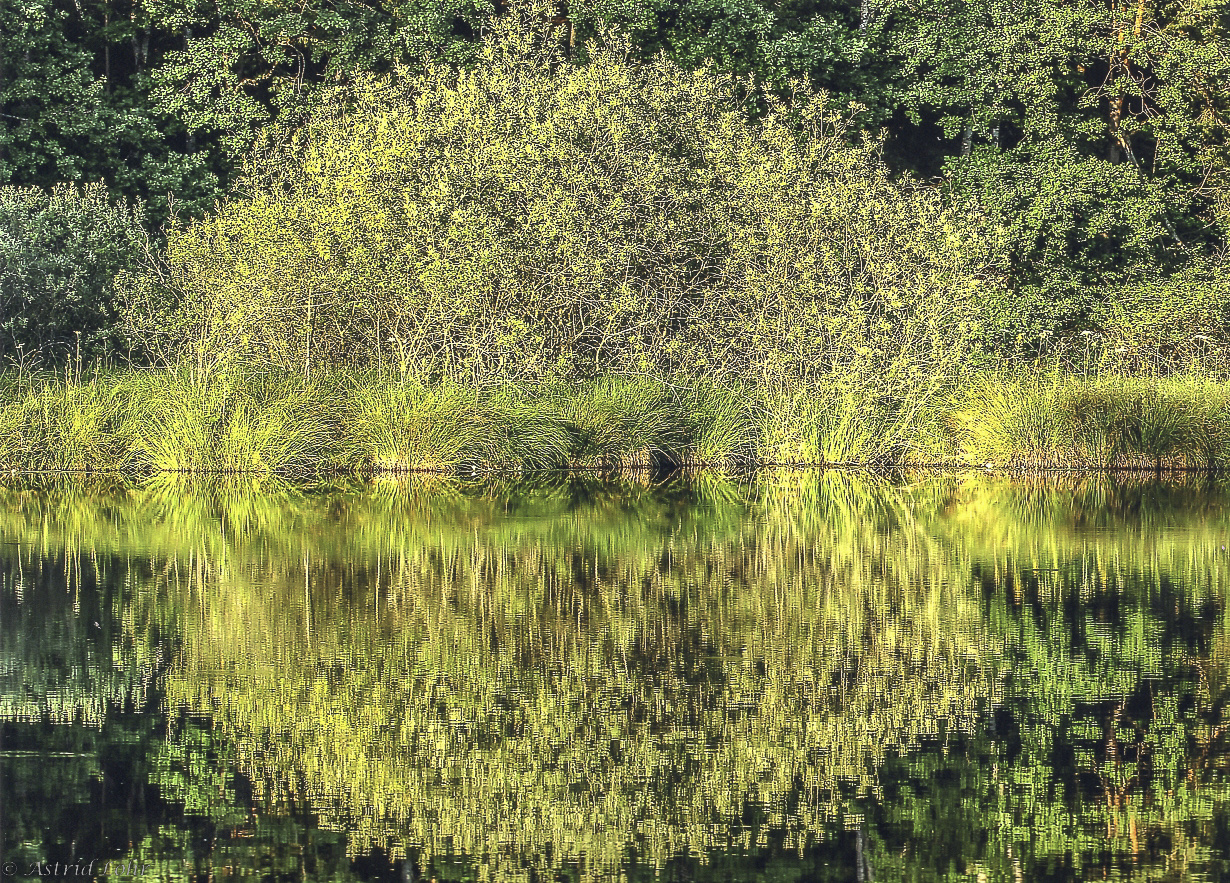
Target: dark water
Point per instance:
(787, 677)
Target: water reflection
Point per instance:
(834, 676)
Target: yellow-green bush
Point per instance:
(526, 219)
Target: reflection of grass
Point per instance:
(70, 649)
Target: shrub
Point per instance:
(60, 252)
(529, 219)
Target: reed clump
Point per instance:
(226, 422)
(1101, 422)
(390, 425)
(61, 425)
(234, 421)
(400, 426)
(165, 421)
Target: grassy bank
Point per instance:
(175, 421)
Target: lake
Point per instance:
(776, 676)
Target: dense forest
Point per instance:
(1108, 116)
(782, 195)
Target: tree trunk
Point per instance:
(107, 55)
(862, 864)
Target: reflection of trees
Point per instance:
(86, 792)
(502, 673)
(1111, 599)
(996, 675)
(61, 658)
(509, 686)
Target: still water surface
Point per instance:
(800, 676)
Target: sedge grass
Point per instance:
(227, 423)
(173, 421)
(61, 425)
(401, 426)
(625, 422)
(1104, 422)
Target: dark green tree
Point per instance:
(1094, 132)
(76, 106)
(59, 255)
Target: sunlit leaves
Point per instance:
(528, 219)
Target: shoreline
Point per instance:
(163, 421)
(1021, 471)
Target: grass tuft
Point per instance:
(177, 421)
(61, 425)
(1106, 422)
(225, 422)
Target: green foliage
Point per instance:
(1096, 134)
(1180, 323)
(530, 220)
(1085, 128)
(241, 65)
(43, 89)
(1077, 229)
(60, 252)
(238, 66)
(75, 106)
